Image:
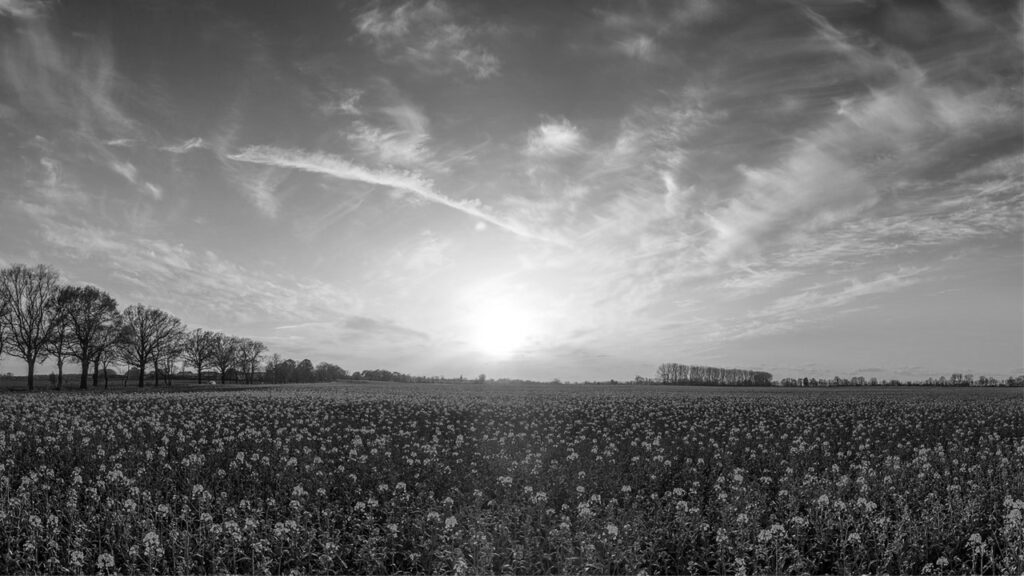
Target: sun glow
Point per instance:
(501, 327)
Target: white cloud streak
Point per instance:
(336, 167)
(190, 144)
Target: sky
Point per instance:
(576, 189)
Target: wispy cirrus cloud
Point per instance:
(872, 142)
(346, 103)
(639, 31)
(817, 304)
(426, 35)
(334, 166)
(190, 144)
(641, 47)
(125, 169)
(23, 9)
(403, 145)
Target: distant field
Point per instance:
(387, 478)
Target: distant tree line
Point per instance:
(40, 318)
(955, 380)
(280, 371)
(682, 374)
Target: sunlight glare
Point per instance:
(501, 327)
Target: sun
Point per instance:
(501, 327)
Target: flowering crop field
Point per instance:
(475, 479)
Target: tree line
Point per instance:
(682, 374)
(40, 318)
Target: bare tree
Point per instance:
(166, 353)
(272, 368)
(225, 353)
(250, 352)
(89, 310)
(143, 331)
(62, 345)
(5, 309)
(32, 316)
(106, 348)
(197, 350)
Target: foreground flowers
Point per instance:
(434, 479)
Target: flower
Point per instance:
(105, 561)
(77, 557)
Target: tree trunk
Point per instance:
(60, 372)
(84, 359)
(142, 374)
(96, 371)
(31, 373)
(199, 374)
(106, 378)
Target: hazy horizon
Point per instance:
(537, 190)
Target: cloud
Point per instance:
(258, 184)
(637, 33)
(125, 169)
(347, 104)
(190, 144)
(336, 167)
(153, 190)
(202, 286)
(817, 304)
(426, 35)
(641, 47)
(406, 145)
(896, 132)
(22, 9)
(553, 139)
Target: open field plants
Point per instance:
(393, 479)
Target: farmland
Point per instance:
(478, 479)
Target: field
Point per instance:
(475, 479)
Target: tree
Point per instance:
(5, 308)
(89, 310)
(284, 370)
(197, 350)
(32, 316)
(143, 331)
(225, 353)
(166, 352)
(106, 348)
(61, 345)
(249, 354)
(327, 372)
(304, 371)
(273, 369)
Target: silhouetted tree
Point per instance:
(166, 353)
(225, 353)
(61, 346)
(105, 346)
(197, 350)
(32, 316)
(5, 309)
(327, 372)
(89, 310)
(304, 371)
(144, 330)
(249, 354)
